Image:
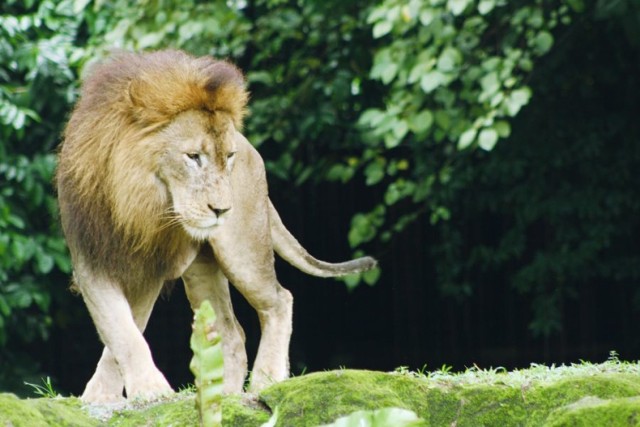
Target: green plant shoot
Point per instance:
(207, 366)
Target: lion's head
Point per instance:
(194, 167)
(149, 148)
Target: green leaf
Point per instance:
(487, 139)
(576, 5)
(457, 6)
(273, 420)
(80, 5)
(339, 172)
(400, 129)
(365, 226)
(427, 16)
(44, 262)
(449, 60)
(375, 171)
(5, 309)
(372, 117)
(150, 40)
(503, 128)
(381, 29)
(467, 138)
(431, 81)
(421, 122)
(207, 365)
(16, 221)
(486, 6)
(385, 68)
(352, 280)
(440, 213)
(543, 42)
(490, 84)
(371, 277)
(385, 417)
(517, 99)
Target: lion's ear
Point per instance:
(225, 86)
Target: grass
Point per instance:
(44, 390)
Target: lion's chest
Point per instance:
(176, 258)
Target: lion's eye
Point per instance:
(195, 157)
(230, 158)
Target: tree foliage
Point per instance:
(37, 84)
(456, 73)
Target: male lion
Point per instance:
(156, 182)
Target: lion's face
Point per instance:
(195, 165)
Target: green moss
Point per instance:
(476, 398)
(18, 413)
(63, 412)
(43, 412)
(541, 400)
(178, 411)
(581, 395)
(244, 410)
(592, 411)
(237, 410)
(321, 398)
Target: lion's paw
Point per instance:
(100, 397)
(149, 387)
(100, 390)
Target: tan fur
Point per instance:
(155, 182)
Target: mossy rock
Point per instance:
(593, 411)
(320, 398)
(59, 412)
(582, 395)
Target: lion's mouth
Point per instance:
(203, 229)
(210, 222)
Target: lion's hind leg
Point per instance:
(250, 269)
(205, 281)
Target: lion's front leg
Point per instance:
(121, 334)
(106, 384)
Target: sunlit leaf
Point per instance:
(431, 81)
(421, 122)
(517, 99)
(487, 139)
(467, 138)
(486, 6)
(457, 6)
(382, 28)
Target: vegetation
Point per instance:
(582, 394)
(207, 366)
(403, 100)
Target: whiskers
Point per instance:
(169, 219)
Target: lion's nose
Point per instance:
(218, 212)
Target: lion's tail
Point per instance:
(292, 251)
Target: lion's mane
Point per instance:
(112, 203)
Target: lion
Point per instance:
(156, 182)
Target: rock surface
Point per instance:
(581, 395)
